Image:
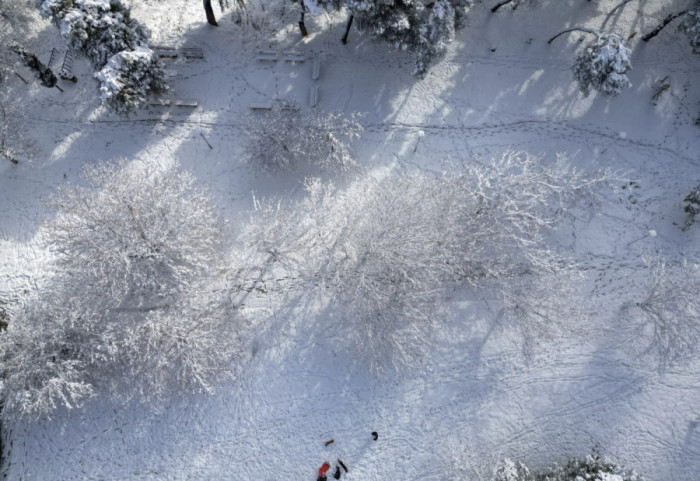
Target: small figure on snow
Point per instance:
(336, 475)
(322, 471)
(375, 436)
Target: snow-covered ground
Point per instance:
(500, 87)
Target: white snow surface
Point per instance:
(595, 389)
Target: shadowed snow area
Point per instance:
(500, 87)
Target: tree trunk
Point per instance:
(302, 26)
(666, 21)
(347, 30)
(210, 13)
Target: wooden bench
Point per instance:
(261, 106)
(315, 74)
(313, 99)
(293, 56)
(186, 103)
(267, 56)
(172, 52)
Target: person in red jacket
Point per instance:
(322, 472)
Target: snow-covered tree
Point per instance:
(105, 33)
(382, 250)
(132, 308)
(670, 312)
(603, 65)
(410, 25)
(287, 137)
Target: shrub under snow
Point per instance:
(603, 65)
(130, 310)
(591, 468)
(129, 78)
(286, 137)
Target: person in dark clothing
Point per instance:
(336, 475)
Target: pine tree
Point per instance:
(603, 65)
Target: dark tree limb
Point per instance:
(575, 29)
(663, 24)
(211, 18)
(302, 25)
(501, 4)
(347, 30)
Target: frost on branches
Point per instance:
(670, 312)
(104, 32)
(383, 250)
(130, 309)
(603, 65)
(286, 137)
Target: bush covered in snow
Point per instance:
(286, 137)
(129, 78)
(591, 468)
(104, 32)
(384, 249)
(130, 310)
(603, 65)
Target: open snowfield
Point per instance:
(500, 87)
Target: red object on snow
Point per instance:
(324, 469)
